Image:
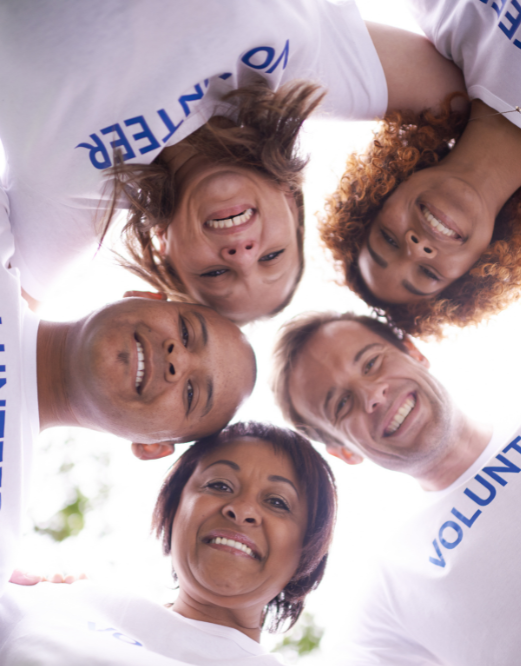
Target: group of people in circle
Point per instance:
(187, 118)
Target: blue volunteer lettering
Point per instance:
(450, 540)
(261, 57)
(115, 634)
(511, 20)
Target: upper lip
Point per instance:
(444, 219)
(233, 230)
(393, 410)
(236, 536)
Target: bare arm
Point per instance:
(418, 77)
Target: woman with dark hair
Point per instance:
(247, 517)
(425, 225)
(156, 108)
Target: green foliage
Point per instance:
(302, 640)
(68, 521)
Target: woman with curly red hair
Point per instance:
(425, 223)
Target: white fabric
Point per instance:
(483, 37)
(143, 75)
(82, 624)
(19, 418)
(448, 590)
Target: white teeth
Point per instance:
(231, 221)
(233, 544)
(437, 224)
(401, 415)
(140, 364)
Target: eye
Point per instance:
(216, 273)
(278, 503)
(271, 256)
(388, 239)
(370, 364)
(220, 486)
(341, 404)
(185, 336)
(429, 274)
(189, 394)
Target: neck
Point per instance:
(469, 442)
(53, 400)
(247, 620)
(488, 156)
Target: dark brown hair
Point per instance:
(407, 142)
(263, 137)
(315, 478)
(292, 338)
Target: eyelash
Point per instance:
(284, 504)
(275, 502)
(370, 364)
(390, 241)
(189, 394)
(220, 271)
(429, 274)
(185, 336)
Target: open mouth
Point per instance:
(232, 221)
(400, 416)
(140, 373)
(235, 545)
(437, 225)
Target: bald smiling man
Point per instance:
(153, 372)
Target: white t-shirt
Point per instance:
(448, 591)
(85, 625)
(79, 78)
(19, 417)
(483, 37)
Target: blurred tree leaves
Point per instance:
(68, 521)
(302, 640)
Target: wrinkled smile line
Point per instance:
(401, 414)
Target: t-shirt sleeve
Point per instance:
(345, 62)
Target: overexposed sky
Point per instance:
(480, 367)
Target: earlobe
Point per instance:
(152, 451)
(416, 354)
(344, 454)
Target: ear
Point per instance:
(153, 295)
(413, 351)
(152, 451)
(344, 454)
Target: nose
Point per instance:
(241, 253)
(242, 510)
(374, 394)
(418, 246)
(176, 359)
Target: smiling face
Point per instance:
(429, 232)
(382, 403)
(233, 240)
(154, 371)
(239, 528)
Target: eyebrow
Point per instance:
(204, 328)
(275, 477)
(376, 257)
(231, 464)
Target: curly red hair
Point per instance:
(407, 142)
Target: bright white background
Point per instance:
(480, 367)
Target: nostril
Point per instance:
(232, 251)
(248, 247)
(171, 369)
(170, 348)
(428, 250)
(414, 239)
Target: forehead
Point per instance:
(250, 454)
